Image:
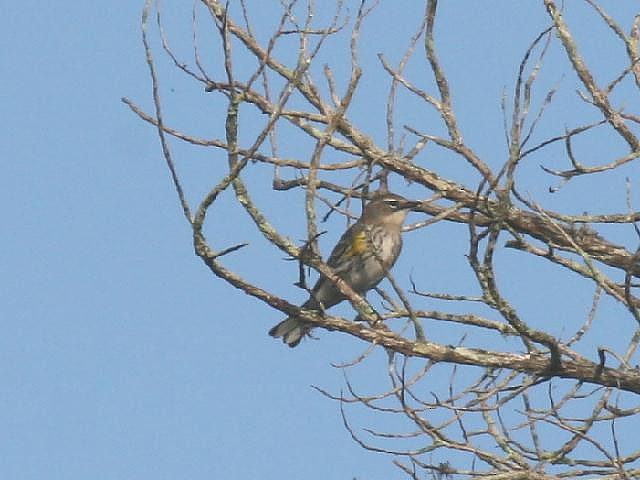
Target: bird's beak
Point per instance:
(410, 204)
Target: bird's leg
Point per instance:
(360, 318)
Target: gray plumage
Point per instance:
(362, 257)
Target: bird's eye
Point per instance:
(392, 202)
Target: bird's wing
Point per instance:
(352, 243)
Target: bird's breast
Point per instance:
(388, 248)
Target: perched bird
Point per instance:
(362, 257)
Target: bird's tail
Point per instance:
(292, 330)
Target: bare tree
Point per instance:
(521, 402)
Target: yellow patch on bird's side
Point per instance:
(358, 244)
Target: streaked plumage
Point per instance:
(362, 256)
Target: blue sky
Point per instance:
(121, 356)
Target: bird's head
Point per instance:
(388, 208)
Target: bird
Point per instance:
(362, 257)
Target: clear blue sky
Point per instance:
(121, 356)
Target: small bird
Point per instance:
(362, 257)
